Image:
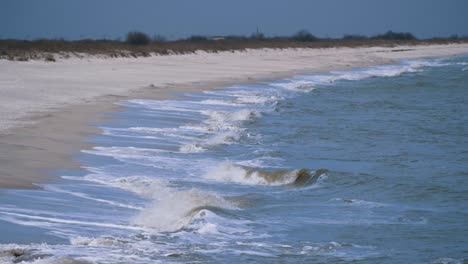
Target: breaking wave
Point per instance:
(173, 210)
(307, 83)
(170, 209)
(229, 172)
(222, 127)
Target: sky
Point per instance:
(78, 19)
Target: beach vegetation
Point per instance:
(354, 37)
(235, 37)
(305, 36)
(138, 44)
(50, 58)
(390, 35)
(22, 58)
(137, 38)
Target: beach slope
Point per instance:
(47, 109)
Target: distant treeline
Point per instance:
(138, 44)
(140, 38)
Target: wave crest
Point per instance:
(222, 128)
(233, 173)
(173, 210)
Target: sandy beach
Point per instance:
(47, 110)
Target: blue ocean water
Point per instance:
(366, 165)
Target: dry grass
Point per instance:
(19, 50)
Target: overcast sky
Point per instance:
(30, 19)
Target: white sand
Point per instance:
(30, 88)
(46, 108)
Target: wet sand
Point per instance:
(47, 110)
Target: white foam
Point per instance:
(174, 209)
(122, 151)
(208, 226)
(228, 172)
(152, 129)
(448, 261)
(175, 135)
(249, 96)
(253, 163)
(163, 135)
(357, 202)
(97, 241)
(221, 119)
(141, 156)
(195, 128)
(112, 132)
(255, 99)
(191, 148)
(141, 185)
(86, 196)
(308, 82)
(218, 102)
(296, 85)
(221, 127)
(62, 260)
(346, 251)
(252, 252)
(50, 221)
(170, 209)
(244, 115)
(160, 105)
(224, 137)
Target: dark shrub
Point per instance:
(304, 35)
(235, 37)
(50, 58)
(390, 35)
(138, 38)
(354, 37)
(22, 58)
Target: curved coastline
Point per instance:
(48, 109)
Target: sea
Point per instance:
(366, 165)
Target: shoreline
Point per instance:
(43, 124)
